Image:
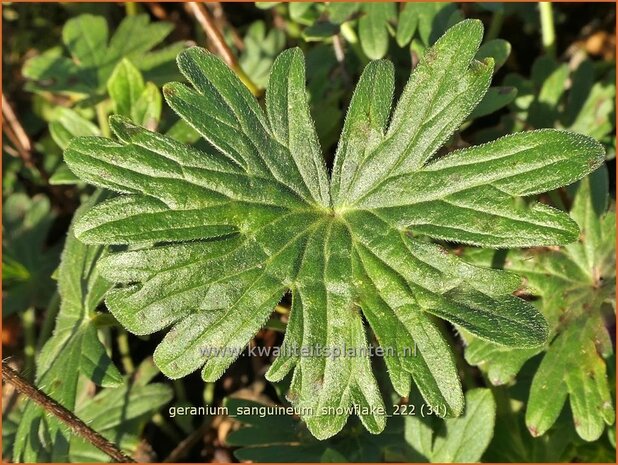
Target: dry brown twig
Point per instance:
(16, 134)
(221, 19)
(61, 413)
(207, 22)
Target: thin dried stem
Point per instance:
(184, 447)
(67, 417)
(157, 10)
(206, 21)
(220, 18)
(15, 132)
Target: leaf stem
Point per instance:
(125, 353)
(183, 448)
(548, 31)
(14, 131)
(164, 426)
(67, 417)
(27, 321)
(131, 8)
(102, 119)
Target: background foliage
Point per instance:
(67, 67)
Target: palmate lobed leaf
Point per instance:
(74, 350)
(574, 283)
(220, 236)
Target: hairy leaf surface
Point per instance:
(577, 286)
(219, 236)
(74, 350)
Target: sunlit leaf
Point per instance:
(256, 216)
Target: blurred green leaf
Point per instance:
(119, 414)
(467, 436)
(132, 97)
(495, 99)
(407, 24)
(498, 49)
(73, 350)
(339, 12)
(67, 124)
(27, 260)
(93, 56)
(261, 49)
(372, 28)
(512, 442)
(577, 286)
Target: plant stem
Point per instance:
(125, 353)
(102, 119)
(164, 426)
(131, 8)
(183, 448)
(27, 320)
(14, 131)
(496, 25)
(67, 417)
(548, 30)
(351, 38)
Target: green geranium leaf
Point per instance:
(94, 55)
(73, 350)
(132, 97)
(577, 286)
(467, 436)
(27, 262)
(372, 28)
(120, 414)
(236, 227)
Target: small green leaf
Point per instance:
(339, 12)
(434, 19)
(27, 262)
(407, 24)
(262, 46)
(94, 57)
(139, 101)
(372, 28)
(468, 436)
(68, 124)
(125, 86)
(498, 49)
